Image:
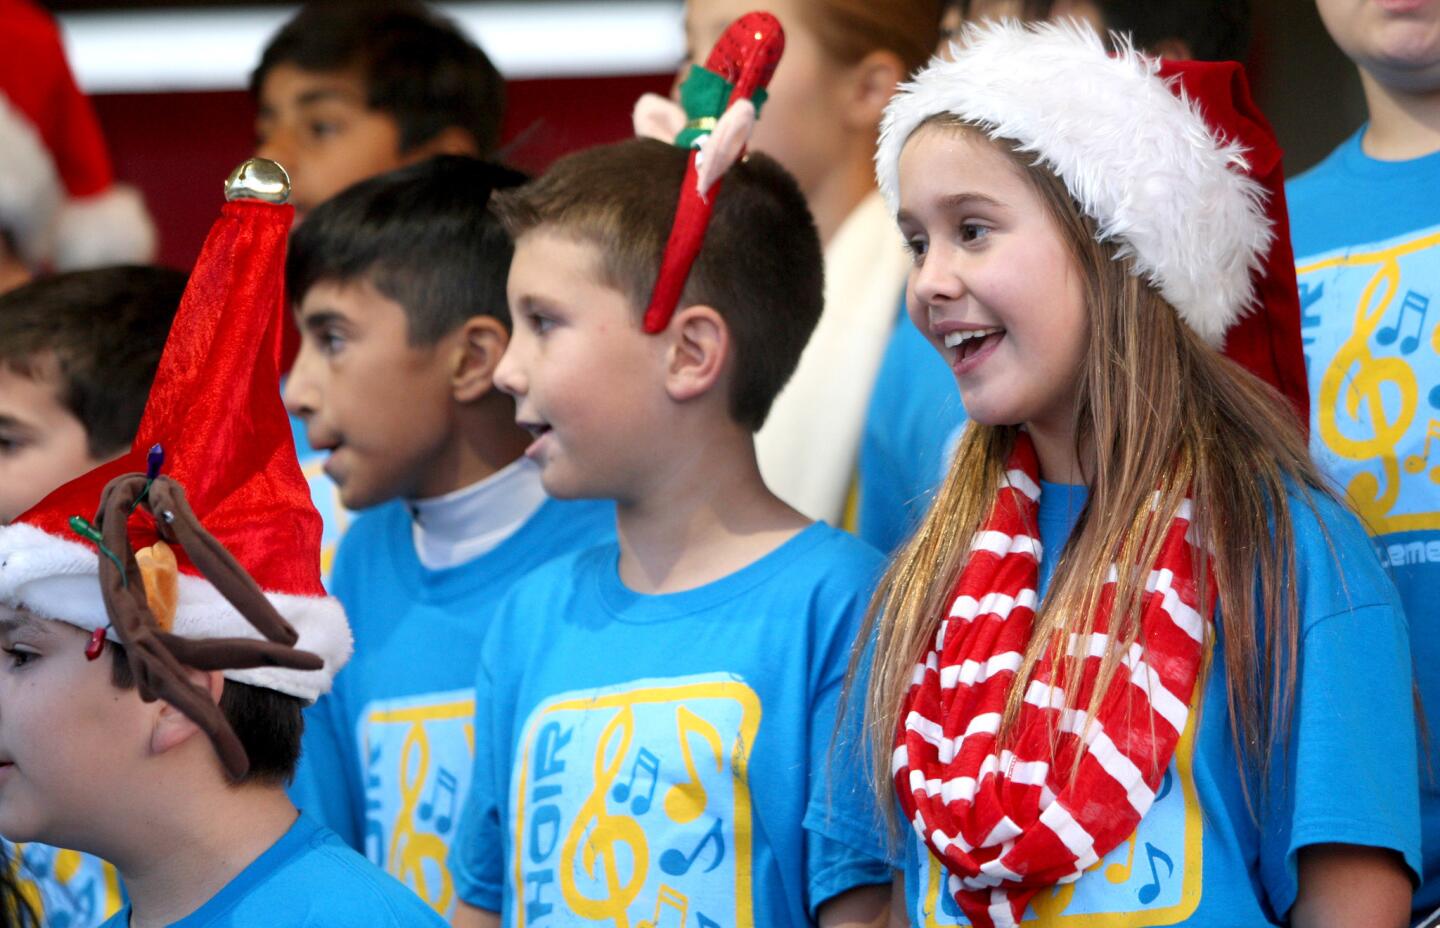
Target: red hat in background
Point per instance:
(59, 202)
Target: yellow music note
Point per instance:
(1119, 873)
(1415, 463)
(599, 832)
(685, 801)
(675, 900)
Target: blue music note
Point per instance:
(648, 763)
(1165, 785)
(443, 789)
(706, 922)
(1435, 397)
(1414, 303)
(1150, 891)
(677, 863)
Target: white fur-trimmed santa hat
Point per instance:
(59, 202)
(1129, 137)
(215, 415)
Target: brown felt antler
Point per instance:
(160, 659)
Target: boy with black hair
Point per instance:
(200, 574)
(77, 354)
(1366, 228)
(651, 713)
(399, 290)
(347, 90)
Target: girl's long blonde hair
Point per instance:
(1157, 410)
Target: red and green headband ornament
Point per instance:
(719, 104)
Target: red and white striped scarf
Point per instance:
(1005, 823)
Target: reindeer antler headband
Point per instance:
(241, 593)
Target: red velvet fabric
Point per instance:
(1266, 341)
(215, 408)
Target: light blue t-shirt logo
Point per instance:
(631, 805)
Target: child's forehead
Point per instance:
(289, 84)
(17, 620)
(31, 381)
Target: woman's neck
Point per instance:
(1055, 447)
(838, 192)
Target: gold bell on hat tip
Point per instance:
(258, 179)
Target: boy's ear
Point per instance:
(172, 727)
(699, 350)
(482, 343)
(868, 87)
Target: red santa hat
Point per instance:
(1173, 160)
(215, 433)
(58, 199)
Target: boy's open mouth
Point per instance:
(536, 429)
(969, 343)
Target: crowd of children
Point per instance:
(939, 474)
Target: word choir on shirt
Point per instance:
(416, 758)
(631, 806)
(1151, 879)
(1371, 329)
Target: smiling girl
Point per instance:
(1117, 670)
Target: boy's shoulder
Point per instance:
(309, 879)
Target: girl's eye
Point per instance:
(916, 247)
(541, 324)
(973, 232)
(9, 446)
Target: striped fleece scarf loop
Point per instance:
(1008, 822)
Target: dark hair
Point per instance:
(416, 65)
(105, 329)
(269, 724)
(760, 266)
(1214, 30)
(423, 235)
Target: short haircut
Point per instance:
(1214, 30)
(760, 267)
(268, 723)
(423, 235)
(106, 330)
(416, 65)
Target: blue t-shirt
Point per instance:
(651, 756)
(911, 429)
(307, 879)
(1367, 248)
(1198, 858)
(386, 758)
(67, 888)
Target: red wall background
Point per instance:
(178, 148)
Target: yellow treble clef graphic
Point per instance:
(597, 835)
(410, 849)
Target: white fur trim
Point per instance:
(112, 227)
(55, 578)
(30, 189)
(1137, 157)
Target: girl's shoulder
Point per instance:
(1337, 568)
